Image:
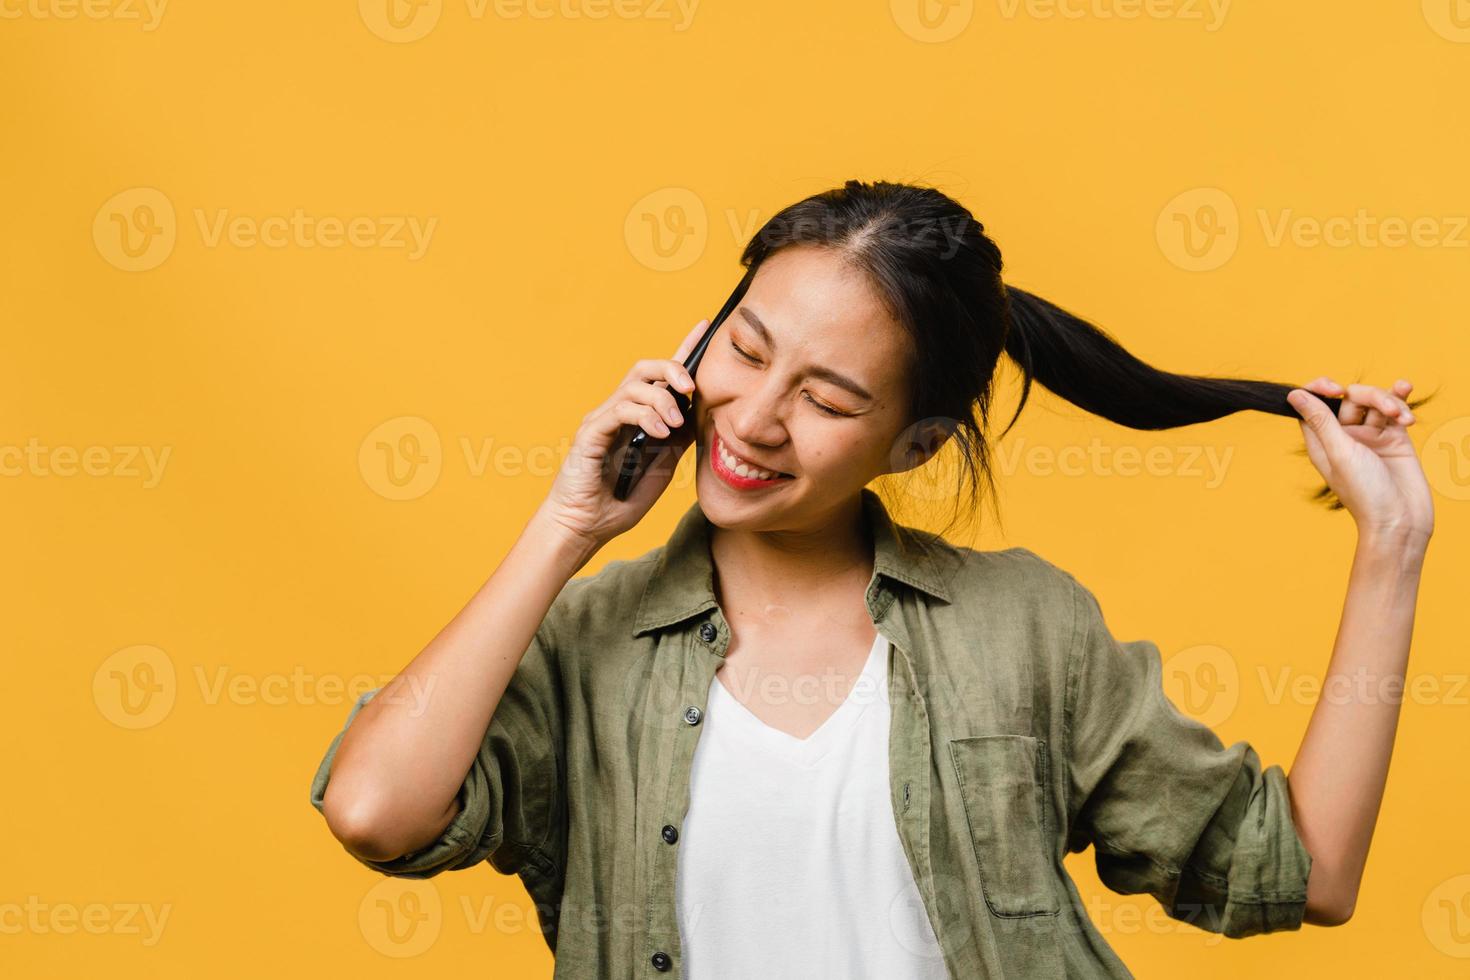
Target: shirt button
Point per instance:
(671, 833)
(692, 714)
(661, 961)
(707, 632)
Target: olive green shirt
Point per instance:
(1021, 730)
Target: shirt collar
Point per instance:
(682, 583)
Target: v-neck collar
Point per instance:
(868, 687)
(682, 584)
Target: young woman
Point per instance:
(802, 740)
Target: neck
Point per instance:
(834, 550)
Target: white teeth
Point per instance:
(740, 468)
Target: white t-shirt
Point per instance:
(790, 863)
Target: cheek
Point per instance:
(715, 381)
(825, 448)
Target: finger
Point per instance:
(657, 398)
(1371, 396)
(1325, 387)
(1352, 411)
(1315, 452)
(678, 376)
(686, 347)
(1375, 418)
(1402, 415)
(1319, 417)
(1328, 388)
(1401, 388)
(645, 416)
(632, 404)
(654, 369)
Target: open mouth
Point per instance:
(739, 471)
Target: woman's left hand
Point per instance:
(1365, 455)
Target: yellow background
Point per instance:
(269, 567)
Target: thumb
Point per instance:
(693, 338)
(1320, 420)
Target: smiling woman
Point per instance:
(578, 731)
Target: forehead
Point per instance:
(818, 308)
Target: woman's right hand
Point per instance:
(581, 502)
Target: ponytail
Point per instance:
(1078, 361)
(940, 275)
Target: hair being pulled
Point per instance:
(939, 274)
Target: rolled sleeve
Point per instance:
(1170, 810)
(511, 801)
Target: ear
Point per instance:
(919, 442)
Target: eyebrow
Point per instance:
(816, 371)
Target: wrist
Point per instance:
(546, 535)
(1396, 543)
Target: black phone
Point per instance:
(640, 448)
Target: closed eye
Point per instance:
(807, 395)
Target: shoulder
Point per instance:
(1019, 593)
(1016, 574)
(601, 604)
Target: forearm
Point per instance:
(1338, 777)
(400, 764)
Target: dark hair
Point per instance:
(939, 275)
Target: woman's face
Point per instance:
(808, 378)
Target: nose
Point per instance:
(757, 418)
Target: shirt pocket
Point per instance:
(1003, 784)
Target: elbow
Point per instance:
(1329, 907)
(1335, 914)
(1332, 888)
(360, 825)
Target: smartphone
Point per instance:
(641, 447)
